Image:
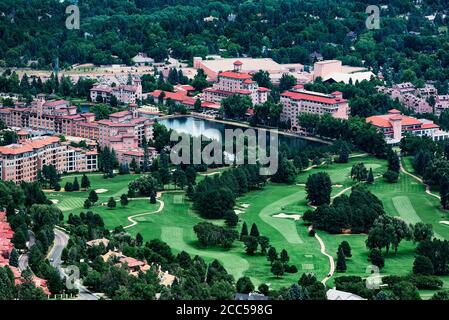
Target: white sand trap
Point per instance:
(337, 185)
(301, 184)
(238, 212)
(101, 190)
(54, 201)
(445, 222)
(287, 216)
(245, 205)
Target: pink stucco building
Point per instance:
(235, 82)
(22, 161)
(298, 101)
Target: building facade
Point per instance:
(235, 82)
(298, 101)
(123, 131)
(124, 93)
(21, 162)
(394, 126)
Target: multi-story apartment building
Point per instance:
(441, 104)
(412, 98)
(415, 103)
(21, 162)
(235, 82)
(124, 131)
(298, 101)
(394, 126)
(124, 93)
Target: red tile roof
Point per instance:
(28, 146)
(178, 96)
(119, 114)
(310, 97)
(55, 103)
(384, 121)
(235, 75)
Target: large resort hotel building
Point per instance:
(123, 132)
(235, 82)
(22, 161)
(126, 94)
(299, 101)
(395, 126)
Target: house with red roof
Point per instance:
(6, 235)
(38, 282)
(394, 126)
(235, 82)
(299, 101)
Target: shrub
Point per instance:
(291, 269)
(391, 176)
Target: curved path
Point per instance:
(331, 259)
(133, 222)
(420, 180)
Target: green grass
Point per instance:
(405, 209)
(174, 225)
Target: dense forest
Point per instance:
(407, 46)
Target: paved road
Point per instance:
(23, 259)
(61, 241)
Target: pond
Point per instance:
(215, 130)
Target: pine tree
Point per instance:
(370, 179)
(231, 218)
(254, 231)
(133, 165)
(284, 256)
(393, 161)
(124, 200)
(190, 191)
(68, 187)
(197, 105)
(272, 255)
(87, 204)
(346, 248)
(444, 192)
(85, 183)
(139, 239)
(244, 231)
(343, 157)
(14, 258)
(76, 185)
(111, 203)
(341, 261)
(153, 198)
(93, 197)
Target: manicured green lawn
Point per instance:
(174, 225)
(73, 201)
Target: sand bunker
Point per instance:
(445, 222)
(288, 216)
(237, 212)
(101, 190)
(54, 201)
(245, 205)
